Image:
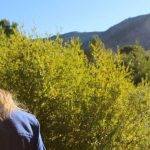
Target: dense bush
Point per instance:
(138, 61)
(80, 104)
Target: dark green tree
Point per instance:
(7, 27)
(138, 60)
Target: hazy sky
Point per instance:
(52, 16)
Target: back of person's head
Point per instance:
(7, 104)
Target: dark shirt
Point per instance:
(21, 131)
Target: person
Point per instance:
(19, 130)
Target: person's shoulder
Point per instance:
(24, 122)
(24, 116)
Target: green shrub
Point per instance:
(80, 104)
(138, 60)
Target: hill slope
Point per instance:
(125, 33)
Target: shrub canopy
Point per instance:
(81, 104)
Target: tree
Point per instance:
(7, 27)
(138, 61)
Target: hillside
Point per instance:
(127, 32)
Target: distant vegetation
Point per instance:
(97, 102)
(7, 27)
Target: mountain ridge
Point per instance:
(127, 32)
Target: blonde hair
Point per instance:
(7, 104)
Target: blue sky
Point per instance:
(53, 16)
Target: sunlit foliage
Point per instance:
(80, 104)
